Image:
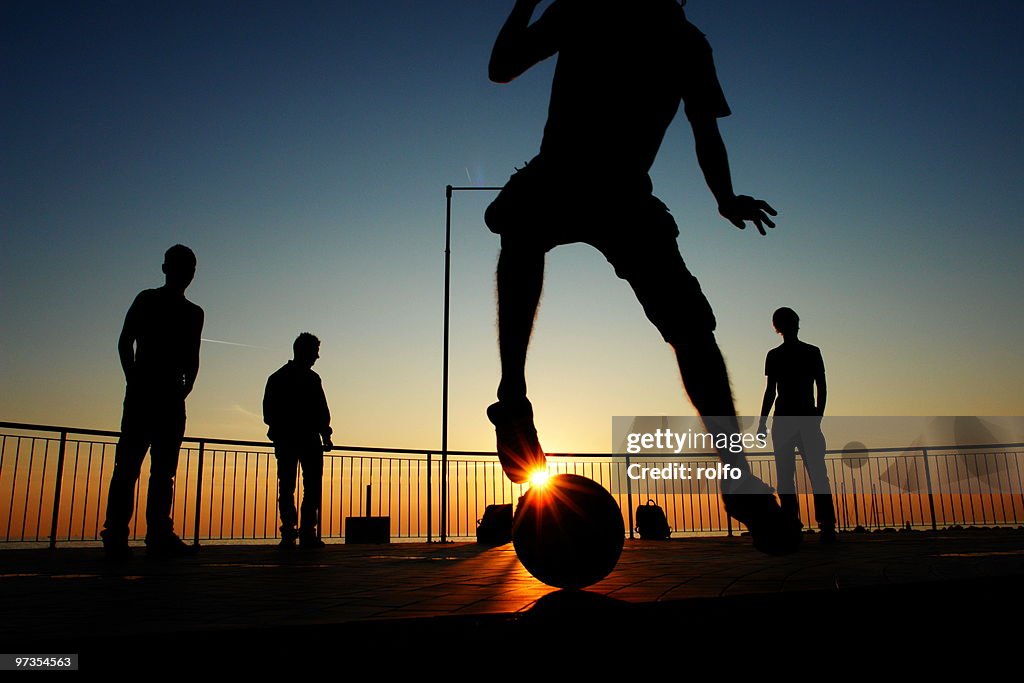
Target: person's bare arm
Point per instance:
(767, 402)
(192, 370)
(126, 350)
(519, 44)
(126, 342)
(714, 163)
(324, 417)
(822, 393)
(270, 400)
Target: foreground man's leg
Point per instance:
(520, 279)
(672, 299)
(748, 499)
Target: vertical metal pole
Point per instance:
(444, 380)
(199, 492)
(443, 521)
(931, 495)
(56, 488)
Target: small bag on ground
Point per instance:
(651, 522)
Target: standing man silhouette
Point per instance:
(159, 350)
(295, 409)
(623, 68)
(794, 370)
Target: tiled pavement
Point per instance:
(74, 598)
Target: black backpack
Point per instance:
(651, 522)
(495, 528)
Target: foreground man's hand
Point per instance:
(743, 208)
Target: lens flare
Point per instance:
(539, 478)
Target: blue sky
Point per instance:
(302, 150)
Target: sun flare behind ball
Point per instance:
(539, 478)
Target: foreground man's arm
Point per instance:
(519, 44)
(714, 163)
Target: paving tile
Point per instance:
(74, 591)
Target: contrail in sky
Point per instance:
(227, 343)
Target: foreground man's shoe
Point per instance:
(518, 448)
(754, 505)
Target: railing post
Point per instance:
(728, 517)
(846, 509)
(874, 510)
(430, 500)
(629, 501)
(56, 488)
(931, 495)
(442, 531)
(199, 493)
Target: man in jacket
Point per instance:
(295, 409)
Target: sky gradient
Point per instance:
(302, 150)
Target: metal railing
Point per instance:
(54, 480)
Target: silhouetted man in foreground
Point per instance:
(159, 349)
(623, 68)
(794, 370)
(295, 409)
